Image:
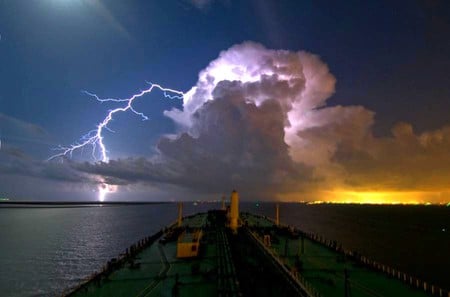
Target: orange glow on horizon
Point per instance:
(382, 197)
(341, 196)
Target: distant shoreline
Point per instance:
(76, 203)
(9, 203)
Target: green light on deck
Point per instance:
(257, 204)
(4, 199)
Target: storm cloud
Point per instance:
(260, 120)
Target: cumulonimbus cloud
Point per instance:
(258, 120)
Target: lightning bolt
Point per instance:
(94, 138)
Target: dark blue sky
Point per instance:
(392, 57)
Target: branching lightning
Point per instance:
(94, 138)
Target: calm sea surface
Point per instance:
(45, 250)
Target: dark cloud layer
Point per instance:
(14, 161)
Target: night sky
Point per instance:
(325, 100)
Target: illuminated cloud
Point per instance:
(298, 80)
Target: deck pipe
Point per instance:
(180, 214)
(234, 211)
(277, 214)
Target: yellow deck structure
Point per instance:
(188, 244)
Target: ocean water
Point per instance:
(46, 250)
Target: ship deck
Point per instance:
(293, 265)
